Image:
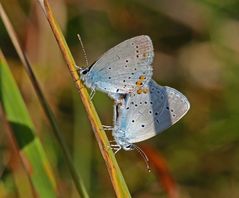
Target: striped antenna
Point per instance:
(142, 153)
(83, 49)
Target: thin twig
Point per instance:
(117, 179)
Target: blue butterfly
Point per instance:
(146, 113)
(123, 69)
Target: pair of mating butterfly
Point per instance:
(142, 108)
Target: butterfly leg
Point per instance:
(115, 148)
(107, 128)
(111, 141)
(116, 151)
(92, 93)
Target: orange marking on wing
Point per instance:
(139, 83)
(139, 91)
(142, 77)
(145, 90)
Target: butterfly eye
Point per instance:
(84, 72)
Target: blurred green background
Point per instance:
(196, 51)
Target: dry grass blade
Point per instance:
(76, 178)
(117, 179)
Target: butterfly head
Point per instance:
(86, 76)
(83, 71)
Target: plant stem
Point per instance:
(117, 179)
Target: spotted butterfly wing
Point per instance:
(123, 68)
(148, 114)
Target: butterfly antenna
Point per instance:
(142, 153)
(83, 49)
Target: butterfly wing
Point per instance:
(120, 68)
(147, 115)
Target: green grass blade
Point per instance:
(30, 147)
(15, 163)
(78, 182)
